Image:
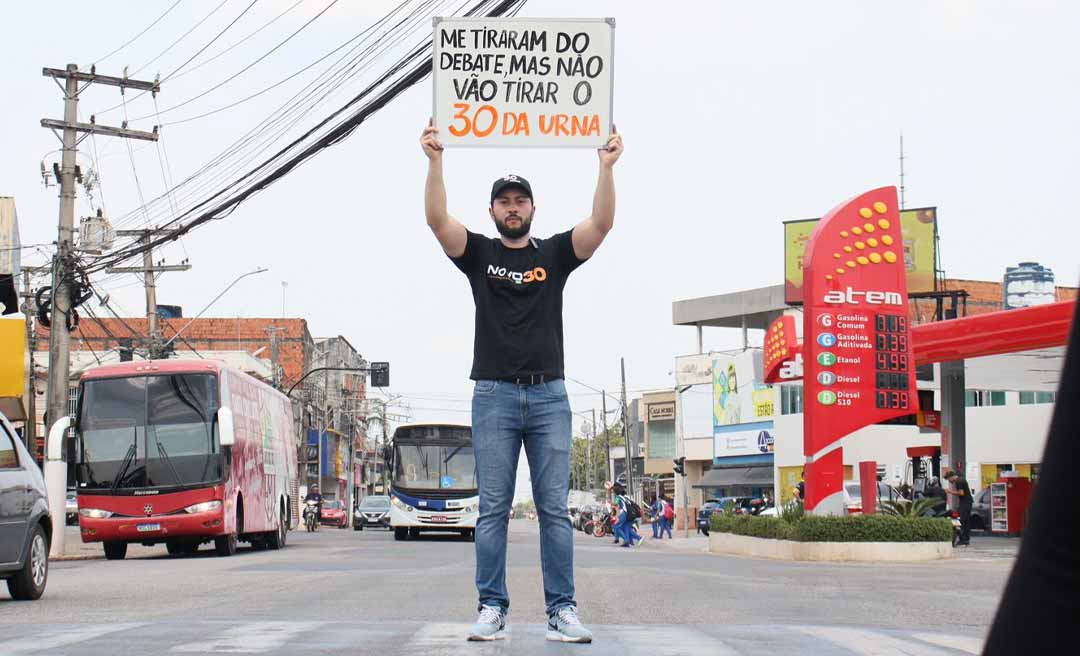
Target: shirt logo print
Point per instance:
(537, 274)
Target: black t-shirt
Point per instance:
(518, 295)
(961, 485)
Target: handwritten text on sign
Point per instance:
(518, 82)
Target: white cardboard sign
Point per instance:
(523, 82)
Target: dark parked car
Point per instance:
(71, 509)
(980, 510)
(372, 511)
(25, 527)
(704, 516)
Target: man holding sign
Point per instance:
(520, 398)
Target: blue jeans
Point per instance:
(665, 525)
(657, 526)
(504, 417)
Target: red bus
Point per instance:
(183, 452)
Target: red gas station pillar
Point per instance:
(868, 486)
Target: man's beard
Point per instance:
(514, 233)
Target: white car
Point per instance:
(771, 511)
(853, 495)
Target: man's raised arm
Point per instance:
(448, 230)
(590, 233)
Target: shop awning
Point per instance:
(731, 476)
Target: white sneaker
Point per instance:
(564, 626)
(491, 625)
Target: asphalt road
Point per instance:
(362, 592)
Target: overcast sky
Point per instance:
(736, 116)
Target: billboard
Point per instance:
(743, 406)
(918, 229)
(693, 369)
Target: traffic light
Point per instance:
(680, 465)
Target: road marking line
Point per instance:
(957, 642)
(250, 638)
(869, 643)
(441, 637)
(660, 640)
(62, 636)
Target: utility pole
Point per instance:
(148, 270)
(626, 434)
(30, 388)
(64, 260)
(272, 331)
(609, 466)
(590, 457)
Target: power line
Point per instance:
(243, 70)
(174, 43)
(132, 39)
(174, 75)
(254, 132)
(406, 72)
(293, 112)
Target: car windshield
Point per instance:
(435, 467)
(331, 505)
(149, 431)
(375, 504)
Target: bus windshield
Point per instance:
(149, 431)
(435, 467)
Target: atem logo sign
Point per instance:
(532, 275)
(851, 297)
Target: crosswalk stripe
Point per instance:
(669, 641)
(249, 638)
(957, 642)
(62, 636)
(869, 643)
(441, 638)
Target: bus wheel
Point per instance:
(401, 534)
(469, 535)
(276, 539)
(414, 533)
(115, 550)
(225, 545)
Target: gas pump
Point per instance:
(923, 464)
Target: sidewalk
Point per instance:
(76, 549)
(694, 543)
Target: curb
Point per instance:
(54, 559)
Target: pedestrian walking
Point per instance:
(656, 516)
(962, 491)
(667, 514)
(624, 526)
(519, 397)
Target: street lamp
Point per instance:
(238, 279)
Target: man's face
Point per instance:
(512, 210)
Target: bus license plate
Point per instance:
(147, 528)
(439, 519)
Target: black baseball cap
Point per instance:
(508, 181)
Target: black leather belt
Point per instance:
(533, 379)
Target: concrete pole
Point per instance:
(30, 387)
(151, 299)
(59, 338)
(626, 434)
(953, 416)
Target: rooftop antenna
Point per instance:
(902, 188)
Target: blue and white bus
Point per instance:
(433, 485)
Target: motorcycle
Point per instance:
(311, 515)
(603, 523)
(954, 519)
